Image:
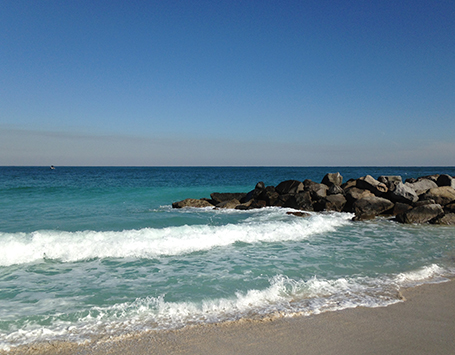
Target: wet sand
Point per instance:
(423, 324)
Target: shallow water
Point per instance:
(89, 251)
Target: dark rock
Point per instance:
(421, 186)
(332, 179)
(335, 190)
(450, 208)
(446, 180)
(243, 206)
(421, 214)
(257, 204)
(353, 194)
(289, 187)
(442, 195)
(370, 183)
(300, 201)
(191, 202)
(331, 203)
(316, 190)
(448, 220)
(260, 186)
(218, 197)
(402, 193)
(269, 195)
(371, 206)
(400, 208)
(253, 194)
(299, 214)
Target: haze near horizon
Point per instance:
(238, 83)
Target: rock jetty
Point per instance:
(427, 199)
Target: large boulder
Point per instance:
(218, 197)
(402, 193)
(299, 201)
(353, 194)
(390, 181)
(269, 195)
(421, 214)
(289, 187)
(253, 194)
(332, 179)
(317, 191)
(421, 185)
(335, 190)
(331, 203)
(370, 183)
(400, 208)
(191, 202)
(442, 195)
(448, 220)
(446, 180)
(371, 206)
(231, 204)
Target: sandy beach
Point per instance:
(423, 324)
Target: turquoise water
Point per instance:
(99, 251)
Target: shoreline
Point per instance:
(424, 323)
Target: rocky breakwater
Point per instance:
(427, 199)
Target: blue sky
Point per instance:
(235, 82)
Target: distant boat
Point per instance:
(52, 167)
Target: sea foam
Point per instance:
(20, 248)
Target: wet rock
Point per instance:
(371, 206)
(257, 204)
(191, 202)
(448, 220)
(331, 203)
(300, 201)
(400, 208)
(353, 194)
(299, 214)
(421, 214)
(231, 204)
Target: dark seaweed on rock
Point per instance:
(427, 199)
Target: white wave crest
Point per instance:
(283, 297)
(20, 248)
(428, 273)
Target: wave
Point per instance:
(21, 248)
(285, 297)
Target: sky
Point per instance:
(227, 83)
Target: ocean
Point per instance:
(98, 252)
